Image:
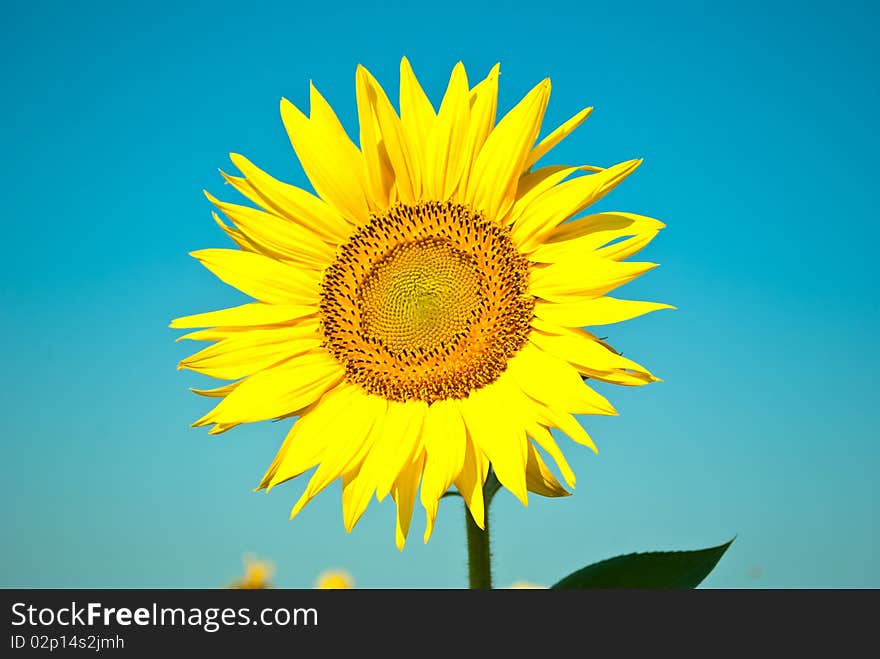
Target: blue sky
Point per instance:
(756, 122)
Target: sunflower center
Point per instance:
(426, 302)
(421, 296)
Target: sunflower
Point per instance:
(257, 574)
(334, 580)
(422, 313)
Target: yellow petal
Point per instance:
(556, 137)
(575, 279)
(592, 234)
(214, 333)
(417, 118)
(253, 313)
(246, 188)
(232, 331)
(431, 510)
(554, 206)
(543, 438)
(483, 102)
(446, 146)
(277, 237)
(400, 440)
(569, 425)
(306, 442)
(579, 349)
(379, 173)
(278, 391)
(348, 434)
(555, 383)
(350, 515)
(241, 241)
(333, 164)
(357, 487)
(222, 427)
(252, 351)
(534, 184)
(528, 413)
(300, 207)
(416, 112)
(260, 277)
(444, 439)
(539, 478)
(217, 392)
(497, 434)
(470, 481)
(404, 492)
(622, 378)
(595, 311)
(390, 139)
(493, 181)
(531, 184)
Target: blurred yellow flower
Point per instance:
(256, 574)
(422, 315)
(524, 585)
(334, 580)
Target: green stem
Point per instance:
(479, 557)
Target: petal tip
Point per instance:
(288, 109)
(238, 160)
(211, 197)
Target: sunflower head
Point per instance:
(422, 313)
(334, 580)
(426, 302)
(257, 574)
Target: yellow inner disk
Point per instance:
(421, 296)
(426, 302)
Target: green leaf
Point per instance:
(661, 569)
